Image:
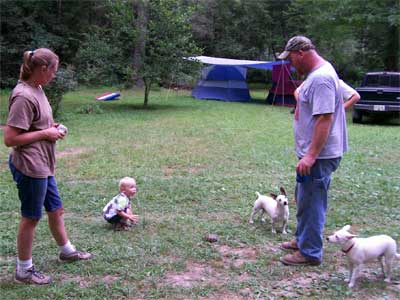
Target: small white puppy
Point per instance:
(361, 250)
(277, 206)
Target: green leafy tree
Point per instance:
(327, 24)
(168, 39)
(106, 49)
(232, 28)
(101, 60)
(357, 36)
(110, 42)
(376, 25)
(58, 25)
(144, 41)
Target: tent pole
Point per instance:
(292, 80)
(279, 80)
(283, 84)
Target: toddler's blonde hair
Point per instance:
(126, 180)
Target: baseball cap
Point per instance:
(296, 43)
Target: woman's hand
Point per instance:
(53, 134)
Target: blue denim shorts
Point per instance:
(34, 193)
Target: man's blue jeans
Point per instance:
(312, 202)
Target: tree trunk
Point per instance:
(273, 49)
(392, 50)
(59, 2)
(147, 85)
(140, 44)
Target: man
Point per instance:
(320, 139)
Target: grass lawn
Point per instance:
(198, 165)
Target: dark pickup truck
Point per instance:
(380, 94)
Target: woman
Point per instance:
(32, 133)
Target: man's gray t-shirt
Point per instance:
(320, 94)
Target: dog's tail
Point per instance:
(258, 194)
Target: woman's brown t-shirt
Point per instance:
(30, 110)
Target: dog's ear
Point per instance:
(273, 195)
(351, 236)
(283, 191)
(347, 227)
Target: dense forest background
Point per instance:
(114, 42)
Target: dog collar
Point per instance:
(348, 250)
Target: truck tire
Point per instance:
(357, 116)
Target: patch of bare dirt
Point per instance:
(301, 279)
(271, 247)
(71, 152)
(243, 294)
(215, 273)
(195, 170)
(169, 170)
(236, 257)
(195, 274)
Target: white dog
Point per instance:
(277, 206)
(361, 250)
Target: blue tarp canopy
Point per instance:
(257, 64)
(225, 79)
(226, 83)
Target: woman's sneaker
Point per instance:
(74, 256)
(31, 276)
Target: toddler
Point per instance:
(118, 211)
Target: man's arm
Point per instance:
(320, 135)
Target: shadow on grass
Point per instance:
(140, 107)
(258, 101)
(381, 120)
(182, 106)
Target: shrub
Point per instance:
(90, 109)
(63, 82)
